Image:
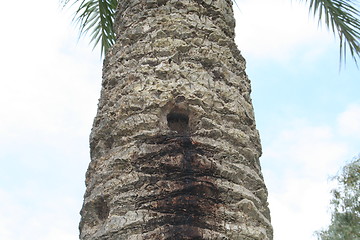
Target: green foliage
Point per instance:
(345, 205)
(341, 16)
(96, 16)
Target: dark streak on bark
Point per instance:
(101, 208)
(185, 187)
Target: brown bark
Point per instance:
(174, 146)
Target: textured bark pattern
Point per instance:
(174, 148)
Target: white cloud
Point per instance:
(278, 30)
(48, 99)
(349, 121)
(48, 218)
(297, 165)
(300, 209)
(46, 94)
(7, 216)
(313, 148)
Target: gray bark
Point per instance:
(174, 146)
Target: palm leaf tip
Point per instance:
(95, 17)
(343, 18)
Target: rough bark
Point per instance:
(174, 146)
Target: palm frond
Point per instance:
(343, 18)
(96, 17)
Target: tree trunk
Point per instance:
(174, 147)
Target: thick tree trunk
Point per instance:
(174, 148)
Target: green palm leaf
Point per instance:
(343, 18)
(96, 17)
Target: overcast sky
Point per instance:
(307, 112)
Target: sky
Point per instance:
(307, 112)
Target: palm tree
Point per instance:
(174, 146)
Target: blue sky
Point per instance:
(307, 112)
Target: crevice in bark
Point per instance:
(101, 208)
(214, 13)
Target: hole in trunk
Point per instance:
(101, 208)
(178, 122)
